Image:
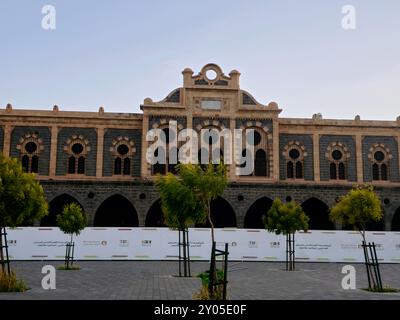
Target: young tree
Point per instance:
(207, 184)
(71, 221)
(358, 207)
(22, 199)
(286, 219)
(180, 207)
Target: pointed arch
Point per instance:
(222, 215)
(396, 220)
(155, 216)
(56, 207)
(116, 211)
(254, 215)
(318, 212)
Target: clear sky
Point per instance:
(116, 53)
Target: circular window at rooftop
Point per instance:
(211, 74)
(123, 149)
(337, 155)
(77, 148)
(30, 147)
(379, 156)
(294, 154)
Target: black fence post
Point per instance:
(188, 251)
(212, 271)
(225, 272)
(5, 259)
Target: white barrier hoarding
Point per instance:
(47, 243)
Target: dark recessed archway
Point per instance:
(318, 212)
(254, 216)
(116, 211)
(396, 221)
(155, 216)
(56, 207)
(222, 215)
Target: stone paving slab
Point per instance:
(156, 280)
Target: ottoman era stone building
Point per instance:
(98, 159)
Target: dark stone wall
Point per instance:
(307, 141)
(108, 159)
(62, 157)
(1, 138)
(264, 123)
(347, 141)
(249, 194)
(42, 133)
(389, 142)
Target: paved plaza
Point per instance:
(157, 280)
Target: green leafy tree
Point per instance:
(207, 184)
(286, 219)
(357, 208)
(71, 221)
(22, 199)
(180, 207)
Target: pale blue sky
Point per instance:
(116, 53)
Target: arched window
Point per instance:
(260, 163)
(380, 157)
(81, 165)
(117, 165)
(35, 164)
(77, 148)
(342, 171)
(337, 154)
(71, 165)
(375, 171)
(122, 150)
(30, 146)
(299, 170)
(290, 170)
(332, 169)
(127, 166)
(25, 163)
(294, 153)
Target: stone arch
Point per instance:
(255, 213)
(222, 215)
(56, 207)
(155, 216)
(116, 211)
(318, 212)
(396, 220)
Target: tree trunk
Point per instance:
(210, 221)
(369, 270)
(1, 251)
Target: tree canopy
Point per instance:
(22, 198)
(72, 220)
(179, 201)
(358, 207)
(286, 218)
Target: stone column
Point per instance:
(275, 150)
(145, 127)
(232, 166)
(53, 151)
(359, 158)
(317, 177)
(7, 139)
(100, 149)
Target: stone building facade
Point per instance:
(98, 159)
